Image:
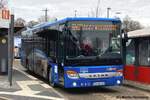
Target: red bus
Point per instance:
(137, 56)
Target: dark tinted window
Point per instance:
(130, 53)
(144, 52)
(94, 37)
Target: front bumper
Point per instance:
(82, 82)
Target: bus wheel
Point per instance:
(50, 77)
(27, 66)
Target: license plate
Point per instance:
(98, 83)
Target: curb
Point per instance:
(138, 85)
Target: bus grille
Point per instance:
(97, 75)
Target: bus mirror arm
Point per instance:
(125, 37)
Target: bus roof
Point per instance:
(47, 24)
(85, 19)
(139, 33)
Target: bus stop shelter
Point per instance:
(137, 66)
(4, 48)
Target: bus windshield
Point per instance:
(95, 37)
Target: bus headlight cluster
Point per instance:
(119, 74)
(72, 74)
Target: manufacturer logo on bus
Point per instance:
(83, 70)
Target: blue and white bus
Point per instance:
(75, 52)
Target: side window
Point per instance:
(130, 52)
(30, 55)
(144, 52)
(52, 48)
(41, 55)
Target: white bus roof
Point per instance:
(139, 33)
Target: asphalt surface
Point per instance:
(105, 93)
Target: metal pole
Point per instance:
(75, 13)
(46, 19)
(97, 9)
(9, 58)
(46, 15)
(108, 9)
(10, 49)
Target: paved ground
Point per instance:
(103, 93)
(28, 86)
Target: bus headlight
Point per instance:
(74, 84)
(118, 82)
(119, 73)
(72, 74)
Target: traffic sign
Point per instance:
(4, 18)
(5, 14)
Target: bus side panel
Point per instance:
(55, 77)
(90, 82)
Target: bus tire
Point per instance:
(27, 66)
(50, 77)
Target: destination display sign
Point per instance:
(101, 27)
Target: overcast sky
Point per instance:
(32, 9)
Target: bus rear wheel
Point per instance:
(27, 66)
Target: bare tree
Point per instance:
(32, 23)
(20, 22)
(42, 19)
(131, 25)
(51, 19)
(3, 3)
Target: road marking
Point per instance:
(35, 96)
(44, 85)
(27, 92)
(4, 98)
(25, 88)
(31, 77)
